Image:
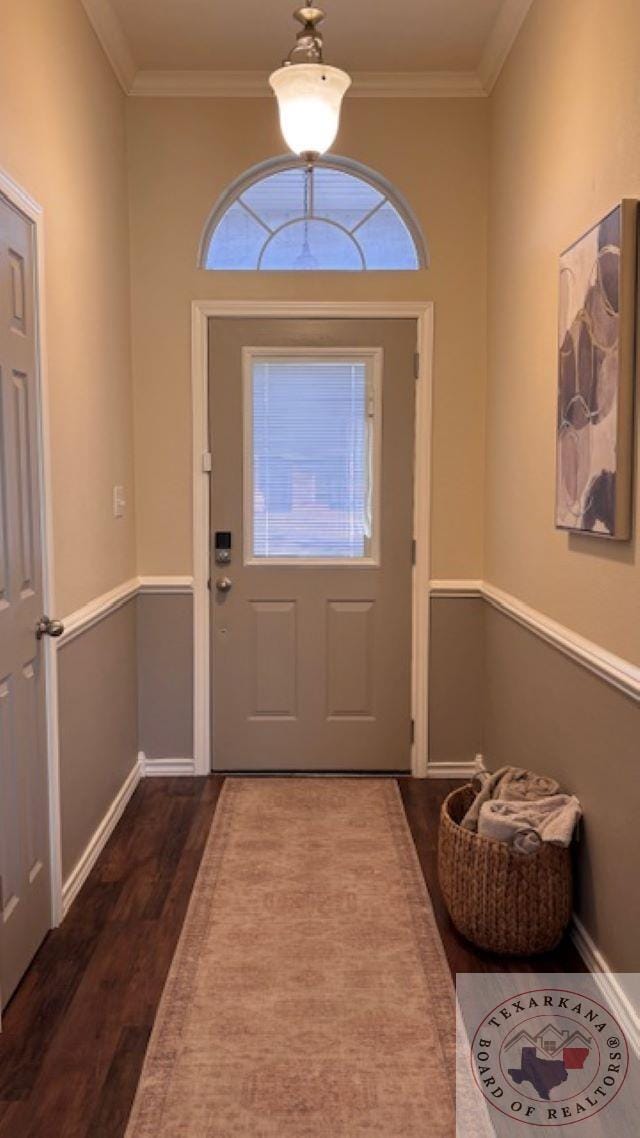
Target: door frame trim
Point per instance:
(18, 197)
(422, 313)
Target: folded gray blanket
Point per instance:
(524, 825)
(510, 784)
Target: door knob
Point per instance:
(223, 584)
(48, 627)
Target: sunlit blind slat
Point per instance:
(310, 458)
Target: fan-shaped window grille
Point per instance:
(334, 215)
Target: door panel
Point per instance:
(349, 658)
(312, 649)
(274, 658)
(25, 901)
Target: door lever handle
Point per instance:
(48, 627)
(223, 584)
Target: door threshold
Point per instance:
(311, 774)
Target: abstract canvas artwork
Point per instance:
(596, 366)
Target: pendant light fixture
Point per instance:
(309, 93)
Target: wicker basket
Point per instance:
(501, 900)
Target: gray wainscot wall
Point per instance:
(165, 675)
(500, 689)
(98, 714)
(125, 686)
(496, 688)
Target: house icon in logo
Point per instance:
(552, 1040)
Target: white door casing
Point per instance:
(422, 312)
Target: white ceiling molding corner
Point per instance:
(254, 84)
(503, 35)
(109, 31)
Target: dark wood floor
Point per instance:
(74, 1035)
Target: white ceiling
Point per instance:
(434, 44)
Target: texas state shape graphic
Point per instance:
(545, 1074)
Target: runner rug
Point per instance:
(309, 996)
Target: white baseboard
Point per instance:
(143, 768)
(99, 839)
(466, 768)
(452, 770)
(609, 984)
(165, 768)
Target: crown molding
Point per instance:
(110, 33)
(416, 85)
(502, 37)
(254, 84)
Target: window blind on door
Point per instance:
(311, 458)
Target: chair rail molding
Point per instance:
(100, 607)
(455, 588)
(97, 609)
(621, 673)
(165, 584)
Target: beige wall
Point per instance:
(62, 137)
(183, 153)
(565, 147)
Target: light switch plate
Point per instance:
(119, 502)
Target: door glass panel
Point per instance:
(311, 441)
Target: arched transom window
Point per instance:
(335, 215)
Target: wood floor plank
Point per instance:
(64, 1046)
(111, 1114)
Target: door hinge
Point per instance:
(413, 550)
(413, 731)
(207, 462)
(416, 364)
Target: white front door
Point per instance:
(25, 891)
(312, 434)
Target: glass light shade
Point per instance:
(309, 98)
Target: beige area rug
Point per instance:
(309, 996)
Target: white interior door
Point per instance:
(25, 890)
